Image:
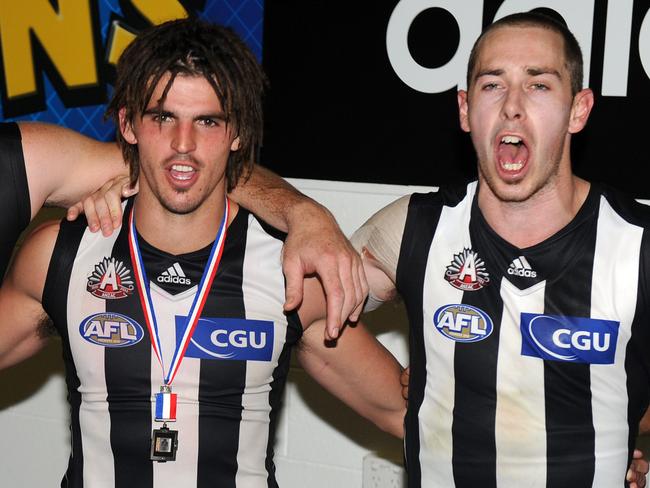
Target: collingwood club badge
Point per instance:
(110, 279)
(467, 271)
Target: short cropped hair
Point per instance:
(192, 47)
(572, 52)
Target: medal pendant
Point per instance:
(164, 444)
(165, 405)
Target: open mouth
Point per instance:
(512, 153)
(181, 172)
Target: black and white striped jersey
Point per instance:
(529, 367)
(14, 192)
(229, 384)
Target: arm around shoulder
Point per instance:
(21, 310)
(63, 166)
(315, 244)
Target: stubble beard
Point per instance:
(179, 208)
(495, 184)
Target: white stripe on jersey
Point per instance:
(520, 431)
(94, 418)
(253, 441)
(167, 306)
(616, 262)
(435, 413)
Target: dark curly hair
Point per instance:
(196, 48)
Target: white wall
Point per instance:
(319, 439)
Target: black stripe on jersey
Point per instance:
(567, 386)
(14, 192)
(128, 384)
(475, 400)
(421, 223)
(222, 382)
(637, 359)
(294, 333)
(55, 293)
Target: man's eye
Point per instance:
(160, 117)
(539, 86)
(490, 86)
(209, 122)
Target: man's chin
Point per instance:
(180, 208)
(511, 192)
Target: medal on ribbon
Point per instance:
(164, 441)
(165, 410)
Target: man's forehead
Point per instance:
(521, 47)
(166, 84)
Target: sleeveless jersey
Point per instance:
(14, 192)
(229, 384)
(529, 367)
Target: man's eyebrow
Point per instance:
(214, 115)
(157, 111)
(531, 71)
(535, 71)
(488, 72)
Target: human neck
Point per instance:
(179, 233)
(527, 223)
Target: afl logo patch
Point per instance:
(111, 330)
(110, 279)
(463, 323)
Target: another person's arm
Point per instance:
(378, 241)
(357, 368)
(23, 329)
(63, 166)
(636, 475)
(315, 244)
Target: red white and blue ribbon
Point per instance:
(165, 405)
(200, 298)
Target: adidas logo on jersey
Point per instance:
(521, 267)
(174, 274)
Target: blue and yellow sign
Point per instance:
(58, 56)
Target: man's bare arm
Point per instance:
(315, 244)
(357, 368)
(21, 313)
(64, 166)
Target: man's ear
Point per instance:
(463, 112)
(236, 144)
(126, 128)
(583, 102)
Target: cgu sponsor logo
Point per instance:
(111, 330)
(463, 323)
(231, 339)
(570, 339)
